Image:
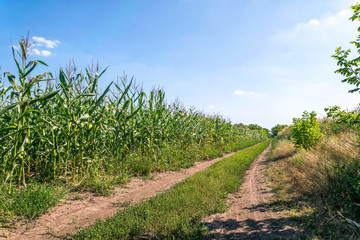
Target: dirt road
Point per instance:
(249, 216)
(65, 218)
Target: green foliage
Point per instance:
(350, 119)
(29, 202)
(305, 131)
(349, 68)
(260, 129)
(177, 213)
(68, 130)
(276, 129)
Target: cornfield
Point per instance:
(57, 127)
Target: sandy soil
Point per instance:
(249, 216)
(66, 217)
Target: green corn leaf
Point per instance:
(44, 97)
(13, 81)
(34, 81)
(18, 131)
(31, 68)
(99, 101)
(21, 73)
(5, 129)
(9, 107)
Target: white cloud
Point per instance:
(39, 41)
(44, 53)
(211, 107)
(344, 12)
(241, 92)
(35, 51)
(314, 22)
(332, 28)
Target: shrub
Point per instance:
(305, 131)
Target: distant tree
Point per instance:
(277, 128)
(254, 127)
(239, 125)
(259, 128)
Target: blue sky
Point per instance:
(262, 62)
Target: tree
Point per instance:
(276, 129)
(349, 68)
(259, 129)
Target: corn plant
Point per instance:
(23, 112)
(65, 128)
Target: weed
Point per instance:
(74, 196)
(123, 204)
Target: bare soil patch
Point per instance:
(67, 217)
(250, 215)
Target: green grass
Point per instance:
(35, 199)
(171, 158)
(30, 202)
(177, 213)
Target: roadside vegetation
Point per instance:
(314, 164)
(60, 133)
(318, 188)
(177, 213)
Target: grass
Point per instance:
(314, 187)
(177, 213)
(30, 202)
(35, 200)
(171, 158)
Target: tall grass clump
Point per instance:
(64, 128)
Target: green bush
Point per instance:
(276, 129)
(305, 131)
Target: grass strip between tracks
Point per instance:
(177, 213)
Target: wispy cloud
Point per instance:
(330, 28)
(40, 41)
(241, 92)
(314, 22)
(211, 107)
(44, 53)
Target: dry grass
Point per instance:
(283, 148)
(312, 186)
(312, 169)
